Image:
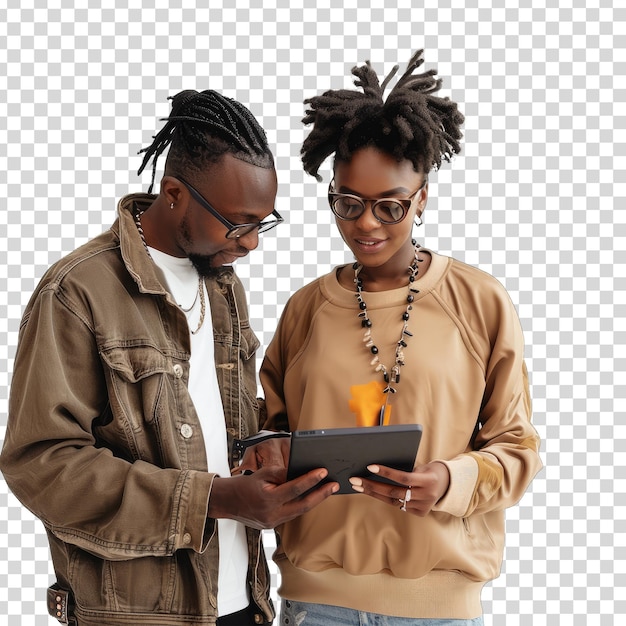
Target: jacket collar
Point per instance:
(140, 266)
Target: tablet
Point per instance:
(346, 452)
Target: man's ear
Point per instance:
(173, 191)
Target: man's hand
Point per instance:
(262, 499)
(424, 486)
(257, 494)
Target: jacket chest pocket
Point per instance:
(145, 387)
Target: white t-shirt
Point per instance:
(182, 282)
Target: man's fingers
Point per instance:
(312, 499)
(307, 493)
(300, 485)
(292, 499)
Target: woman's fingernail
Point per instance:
(356, 482)
(373, 468)
(357, 488)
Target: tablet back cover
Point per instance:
(346, 452)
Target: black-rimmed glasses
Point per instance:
(349, 207)
(234, 230)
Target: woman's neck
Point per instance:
(389, 276)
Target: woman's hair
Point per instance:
(411, 123)
(201, 128)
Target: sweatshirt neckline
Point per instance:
(341, 296)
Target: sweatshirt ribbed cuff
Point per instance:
(463, 476)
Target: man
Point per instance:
(134, 368)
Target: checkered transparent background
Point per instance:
(536, 198)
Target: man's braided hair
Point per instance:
(411, 123)
(201, 128)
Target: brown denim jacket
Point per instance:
(95, 445)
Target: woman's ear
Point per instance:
(421, 202)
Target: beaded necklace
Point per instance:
(137, 215)
(391, 377)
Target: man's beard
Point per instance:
(202, 262)
(204, 265)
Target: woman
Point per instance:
(403, 335)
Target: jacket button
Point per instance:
(186, 539)
(186, 431)
(178, 370)
(258, 619)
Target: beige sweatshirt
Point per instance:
(465, 382)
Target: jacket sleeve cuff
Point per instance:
(463, 476)
(196, 528)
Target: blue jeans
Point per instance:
(306, 614)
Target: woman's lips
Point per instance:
(369, 245)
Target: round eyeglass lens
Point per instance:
(347, 207)
(388, 211)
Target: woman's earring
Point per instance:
(172, 206)
(418, 224)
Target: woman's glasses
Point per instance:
(349, 207)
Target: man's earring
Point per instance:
(172, 206)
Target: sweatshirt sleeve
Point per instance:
(272, 376)
(503, 456)
(285, 347)
(86, 494)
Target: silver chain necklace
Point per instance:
(137, 215)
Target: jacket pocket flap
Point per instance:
(133, 363)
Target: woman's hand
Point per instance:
(417, 492)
